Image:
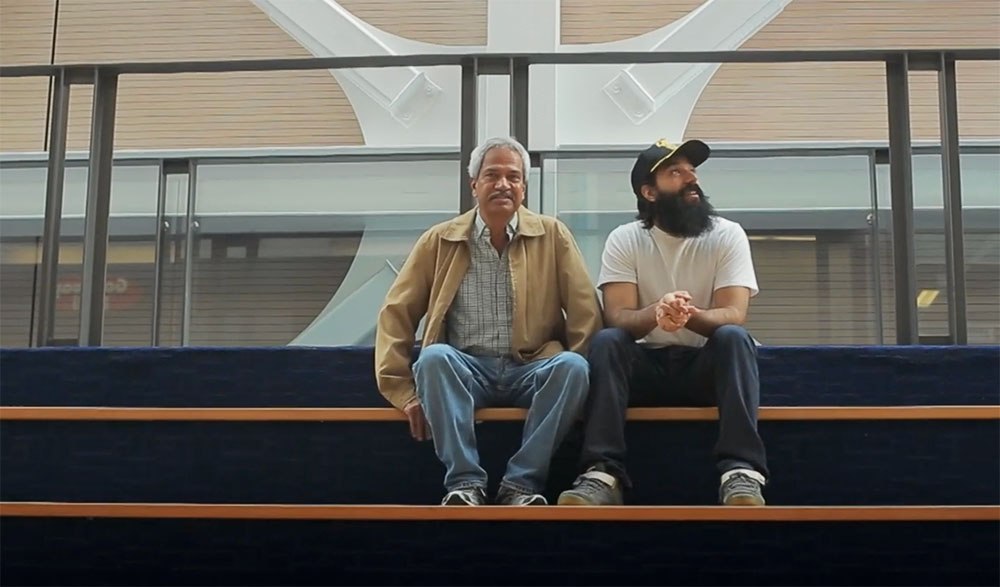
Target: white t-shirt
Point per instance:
(659, 263)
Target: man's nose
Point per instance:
(503, 184)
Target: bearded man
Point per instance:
(676, 283)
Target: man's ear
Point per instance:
(648, 192)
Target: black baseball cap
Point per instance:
(659, 153)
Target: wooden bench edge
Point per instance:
(987, 513)
(781, 413)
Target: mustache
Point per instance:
(503, 194)
(693, 187)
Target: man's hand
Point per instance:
(420, 430)
(674, 310)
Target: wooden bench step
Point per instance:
(796, 413)
(963, 513)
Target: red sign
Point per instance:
(119, 293)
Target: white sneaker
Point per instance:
(509, 496)
(741, 487)
(465, 496)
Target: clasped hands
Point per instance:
(674, 310)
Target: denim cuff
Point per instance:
(518, 488)
(467, 485)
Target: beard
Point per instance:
(679, 218)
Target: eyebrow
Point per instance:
(500, 168)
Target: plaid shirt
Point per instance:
(479, 320)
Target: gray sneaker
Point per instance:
(741, 487)
(466, 496)
(593, 488)
(510, 496)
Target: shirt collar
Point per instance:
(481, 225)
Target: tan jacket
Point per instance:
(547, 276)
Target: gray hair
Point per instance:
(479, 153)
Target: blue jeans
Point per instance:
(451, 385)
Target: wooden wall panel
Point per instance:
(837, 101)
(265, 109)
(26, 31)
(602, 21)
(23, 108)
(743, 102)
(444, 22)
(25, 38)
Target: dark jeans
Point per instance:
(723, 373)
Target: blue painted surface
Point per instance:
(344, 376)
(824, 463)
(237, 552)
(813, 463)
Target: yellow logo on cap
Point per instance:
(666, 144)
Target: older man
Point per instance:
(509, 313)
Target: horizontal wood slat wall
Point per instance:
(818, 101)
(804, 24)
(252, 302)
(780, 413)
(245, 109)
(26, 31)
(836, 102)
(443, 22)
(961, 513)
(790, 307)
(597, 21)
(844, 101)
(25, 38)
(743, 102)
(17, 289)
(259, 301)
(23, 110)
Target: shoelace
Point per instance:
(740, 483)
(472, 494)
(515, 494)
(590, 486)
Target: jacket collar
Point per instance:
(460, 227)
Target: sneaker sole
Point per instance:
(537, 501)
(456, 500)
(745, 500)
(574, 500)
